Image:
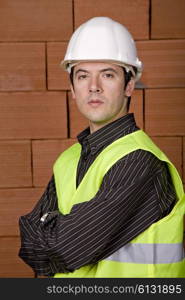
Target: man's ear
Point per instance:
(130, 87)
(72, 91)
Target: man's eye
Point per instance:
(82, 76)
(108, 75)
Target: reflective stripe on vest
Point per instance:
(149, 253)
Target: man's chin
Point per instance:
(95, 118)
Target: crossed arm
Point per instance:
(95, 229)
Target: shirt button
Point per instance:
(93, 148)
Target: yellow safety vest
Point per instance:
(156, 252)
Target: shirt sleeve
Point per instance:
(125, 205)
(28, 226)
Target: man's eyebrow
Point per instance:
(81, 70)
(108, 69)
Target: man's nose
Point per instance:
(95, 85)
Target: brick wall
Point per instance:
(38, 118)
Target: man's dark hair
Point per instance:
(128, 76)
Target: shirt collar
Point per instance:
(107, 134)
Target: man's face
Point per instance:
(98, 89)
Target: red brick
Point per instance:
(22, 66)
(172, 147)
(41, 20)
(58, 79)
(137, 107)
(33, 115)
(15, 162)
(13, 204)
(11, 266)
(168, 19)
(78, 122)
(163, 63)
(44, 155)
(165, 111)
(133, 14)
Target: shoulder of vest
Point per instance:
(141, 140)
(68, 154)
(135, 141)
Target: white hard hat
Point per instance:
(103, 39)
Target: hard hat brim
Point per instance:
(68, 64)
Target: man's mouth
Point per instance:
(95, 102)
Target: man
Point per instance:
(114, 206)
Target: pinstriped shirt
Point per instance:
(136, 192)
